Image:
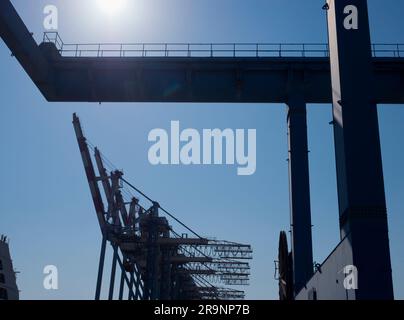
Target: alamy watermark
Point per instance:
(351, 277)
(51, 279)
(51, 19)
(191, 147)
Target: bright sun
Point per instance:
(111, 7)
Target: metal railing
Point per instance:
(206, 49)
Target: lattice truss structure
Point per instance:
(155, 261)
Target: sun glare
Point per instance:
(111, 7)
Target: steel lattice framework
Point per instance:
(155, 261)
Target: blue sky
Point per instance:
(45, 204)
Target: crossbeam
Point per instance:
(216, 78)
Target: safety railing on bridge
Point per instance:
(258, 50)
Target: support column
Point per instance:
(100, 268)
(165, 282)
(113, 271)
(361, 195)
(299, 186)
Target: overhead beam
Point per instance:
(170, 79)
(207, 80)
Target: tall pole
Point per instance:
(121, 285)
(100, 268)
(152, 291)
(299, 184)
(131, 295)
(113, 272)
(361, 195)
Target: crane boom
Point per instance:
(90, 173)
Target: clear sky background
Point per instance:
(45, 203)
